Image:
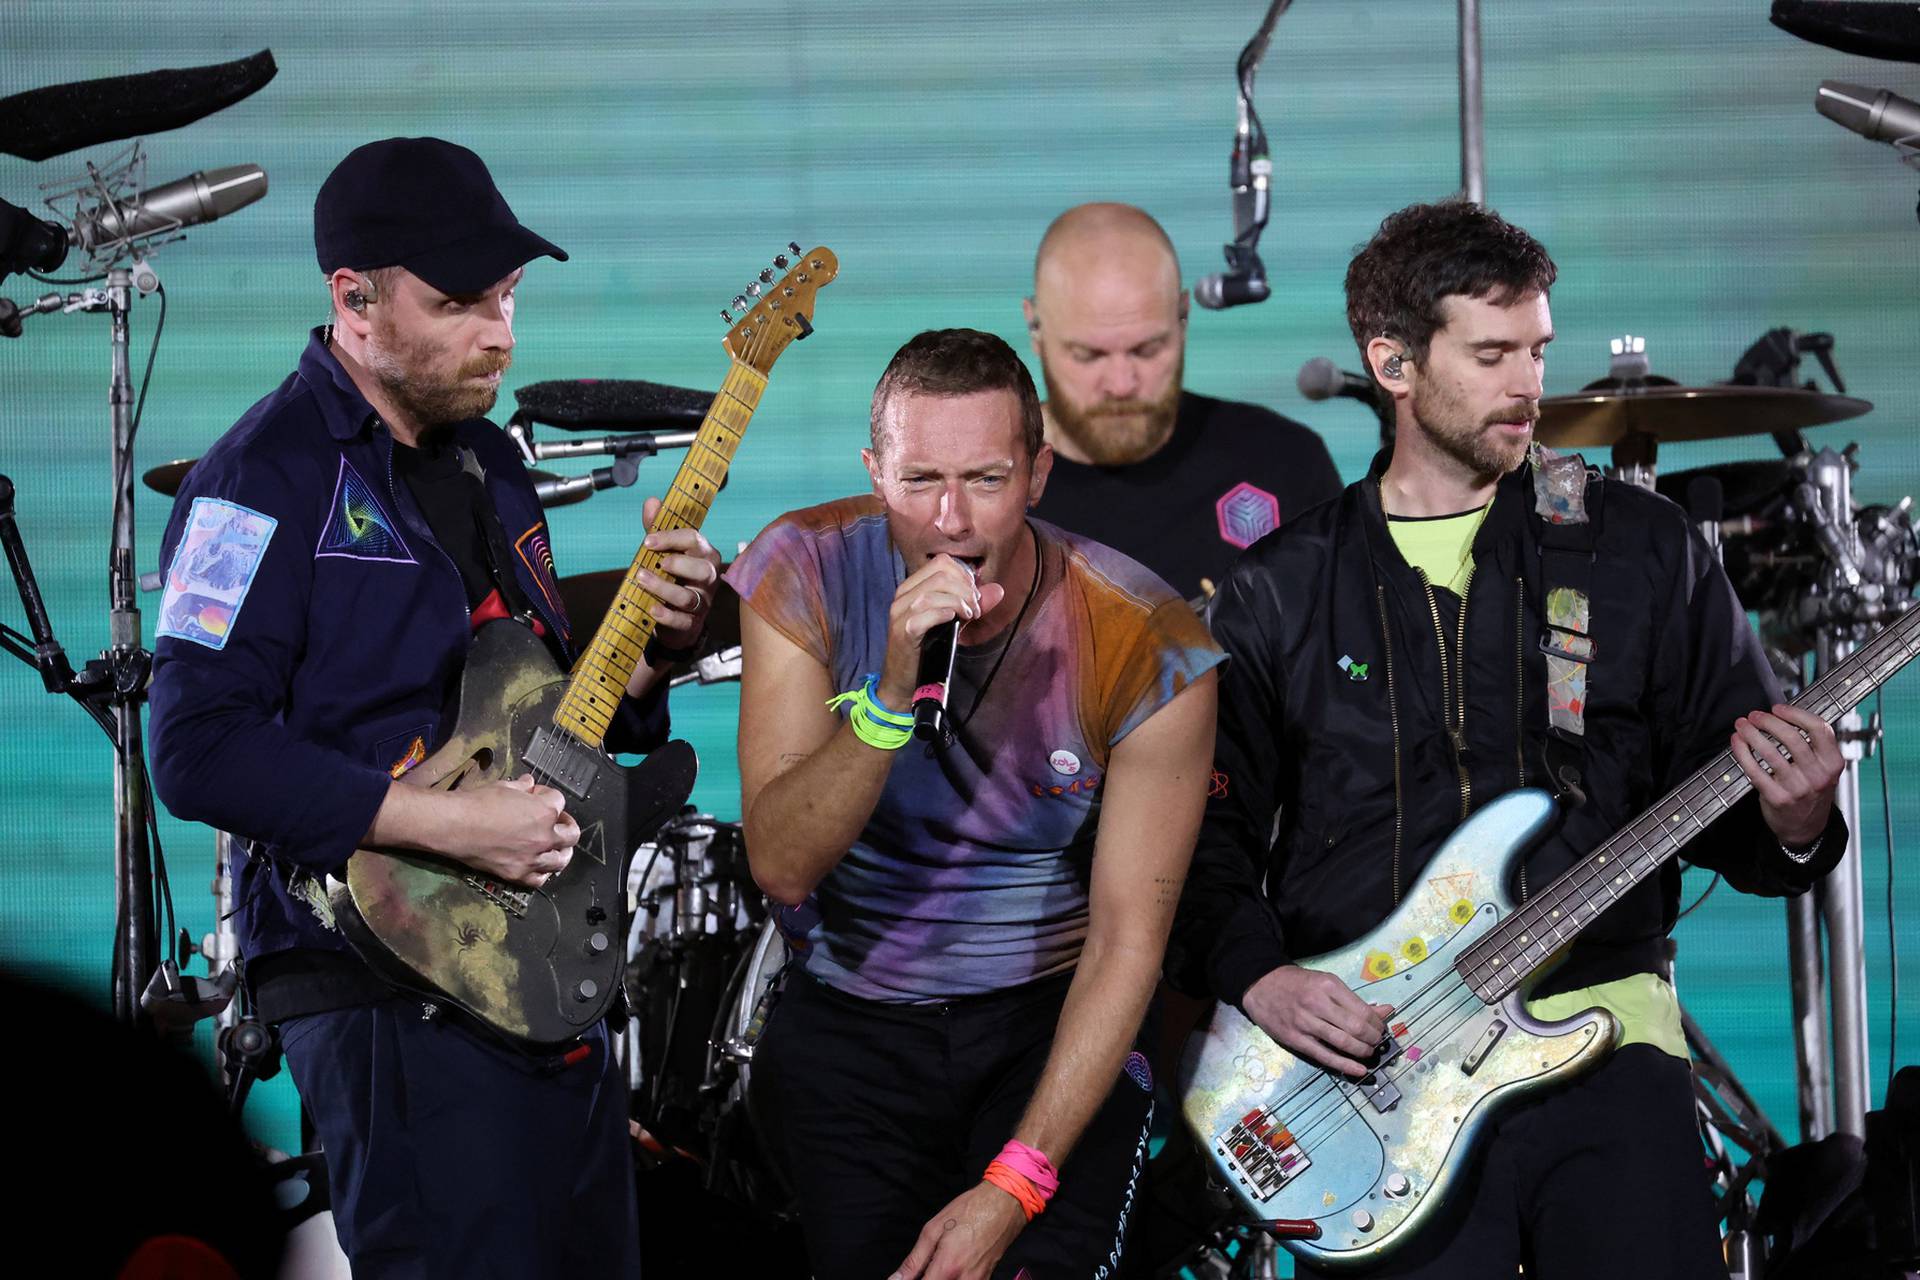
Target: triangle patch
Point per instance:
(358, 527)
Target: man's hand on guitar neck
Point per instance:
(515, 830)
(1315, 1015)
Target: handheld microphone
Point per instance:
(1874, 114)
(932, 681)
(184, 202)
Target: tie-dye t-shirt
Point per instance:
(972, 874)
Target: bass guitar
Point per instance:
(539, 966)
(1352, 1169)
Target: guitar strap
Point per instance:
(1569, 510)
(493, 541)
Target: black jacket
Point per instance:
(1366, 779)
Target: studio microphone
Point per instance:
(1875, 114)
(1322, 379)
(184, 202)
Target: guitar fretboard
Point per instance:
(1497, 963)
(600, 677)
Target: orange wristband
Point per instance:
(1016, 1185)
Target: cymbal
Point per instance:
(1687, 413)
(169, 476)
(588, 596)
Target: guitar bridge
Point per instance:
(512, 901)
(1263, 1155)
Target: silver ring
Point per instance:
(700, 599)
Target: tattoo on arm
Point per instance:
(1166, 890)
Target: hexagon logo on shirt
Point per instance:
(1247, 513)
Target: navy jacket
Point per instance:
(312, 636)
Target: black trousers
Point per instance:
(885, 1112)
(450, 1156)
(1602, 1180)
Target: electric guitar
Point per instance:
(539, 966)
(1352, 1169)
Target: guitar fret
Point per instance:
(618, 647)
(1496, 963)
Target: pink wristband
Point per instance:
(1031, 1165)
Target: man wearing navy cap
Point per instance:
(327, 561)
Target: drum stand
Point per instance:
(1864, 584)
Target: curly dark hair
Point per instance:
(1427, 252)
(958, 362)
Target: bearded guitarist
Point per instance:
(1472, 617)
(328, 561)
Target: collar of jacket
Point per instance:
(1497, 542)
(342, 407)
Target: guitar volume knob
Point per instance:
(597, 944)
(1362, 1220)
(586, 990)
(1397, 1185)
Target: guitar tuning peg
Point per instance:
(793, 247)
(740, 302)
(781, 260)
(726, 316)
(753, 290)
(766, 275)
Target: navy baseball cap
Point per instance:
(424, 204)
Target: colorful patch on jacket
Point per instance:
(213, 568)
(1247, 513)
(536, 552)
(358, 527)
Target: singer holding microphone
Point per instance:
(977, 915)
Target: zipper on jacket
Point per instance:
(1520, 696)
(1393, 718)
(1453, 684)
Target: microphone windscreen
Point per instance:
(41, 123)
(613, 404)
(1889, 31)
(1320, 379)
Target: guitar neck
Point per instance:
(600, 677)
(1497, 963)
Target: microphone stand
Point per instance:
(111, 688)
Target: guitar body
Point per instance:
(1369, 1162)
(537, 967)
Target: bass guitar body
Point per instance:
(539, 966)
(1365, 1163)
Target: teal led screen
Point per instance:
(1667, 154)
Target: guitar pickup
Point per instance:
(511, 901)
(1377, 1085)
(572, 764)
(1263, 1155)
(1482, 1047)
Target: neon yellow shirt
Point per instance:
(1649, 1012)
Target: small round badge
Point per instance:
(1064, 762)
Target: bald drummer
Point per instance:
(1179, 481)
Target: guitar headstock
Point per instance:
(778, 312)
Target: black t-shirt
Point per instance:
(1228, 475)
(449, 499)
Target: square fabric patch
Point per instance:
(213, 567)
